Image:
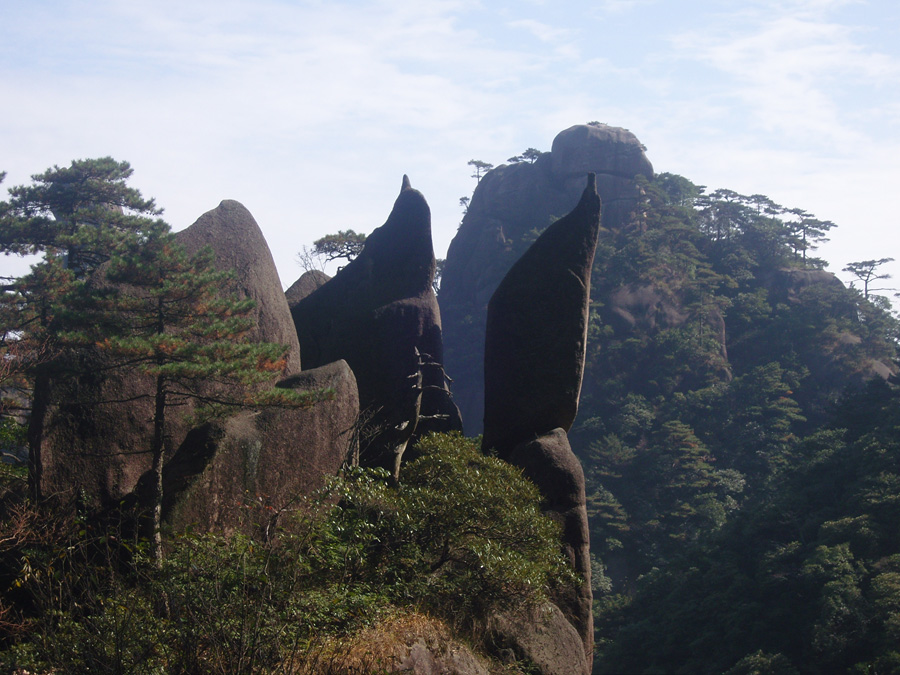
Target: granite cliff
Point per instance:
(511, 205)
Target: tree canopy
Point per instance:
(345, 244)
(704, 405)
(866, 271)
(480, 167)
(530, 155)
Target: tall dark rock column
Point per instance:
(533, 365)
(380, 314)
(510, 202)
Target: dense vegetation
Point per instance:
(738, 430)
(739, 496)
(293, 590)
(804, 579)
(114, 292)
(460, 537)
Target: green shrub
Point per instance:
(460, 535)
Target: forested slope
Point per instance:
(741, 452)
(737, 431)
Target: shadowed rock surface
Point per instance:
(380, 314)
(457, 660)
(635, 309)
(545, 638)
(601, 149)
(509, 203)
(549, 463)
(533, 365)
(238, 243)
(97, 449)
(787, 285)
(835, 358)
(537, 331)
(307, 284)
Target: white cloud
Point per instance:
(541, 31)
(790, 70)
(310, 111)
(620, 6)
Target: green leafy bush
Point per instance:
(461, 534)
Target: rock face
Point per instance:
(533, 365)
(608, 151)
(645, 309)
(788, 285)
(421, 660)
(548, 461)
(509, 203)
(414, 644)
(537, 331)
(95, 445)
(239, 245)
(272, 454)
(546, 639)
(307, 284)
(98, 450)
(380, 314)
(833, 360)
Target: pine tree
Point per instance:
(345, 244)
(164, 316)
(114, 279)
(866, 271)
(74, 217)
(75, 213)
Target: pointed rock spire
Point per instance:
(537, 331)
(380, 314)
(533, 364)
(238, 244)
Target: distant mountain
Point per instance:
(719, 350)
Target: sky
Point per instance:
(309, 112)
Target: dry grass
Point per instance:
(385, 647)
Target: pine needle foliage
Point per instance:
(163, 314)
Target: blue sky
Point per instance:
(309, 112)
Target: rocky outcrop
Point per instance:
(533, 365)
(645, 309)
(787, 285)
(537, 331)
(238, 244)
(272, 454)
(306, 285)
(95, 449)
(542, 638)
(380, 314)
(458, 660)
(98, 425)
(836, 357)
(548, 462)
(411, 643)
(511, 205)
(609, 152)
(641, 307)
